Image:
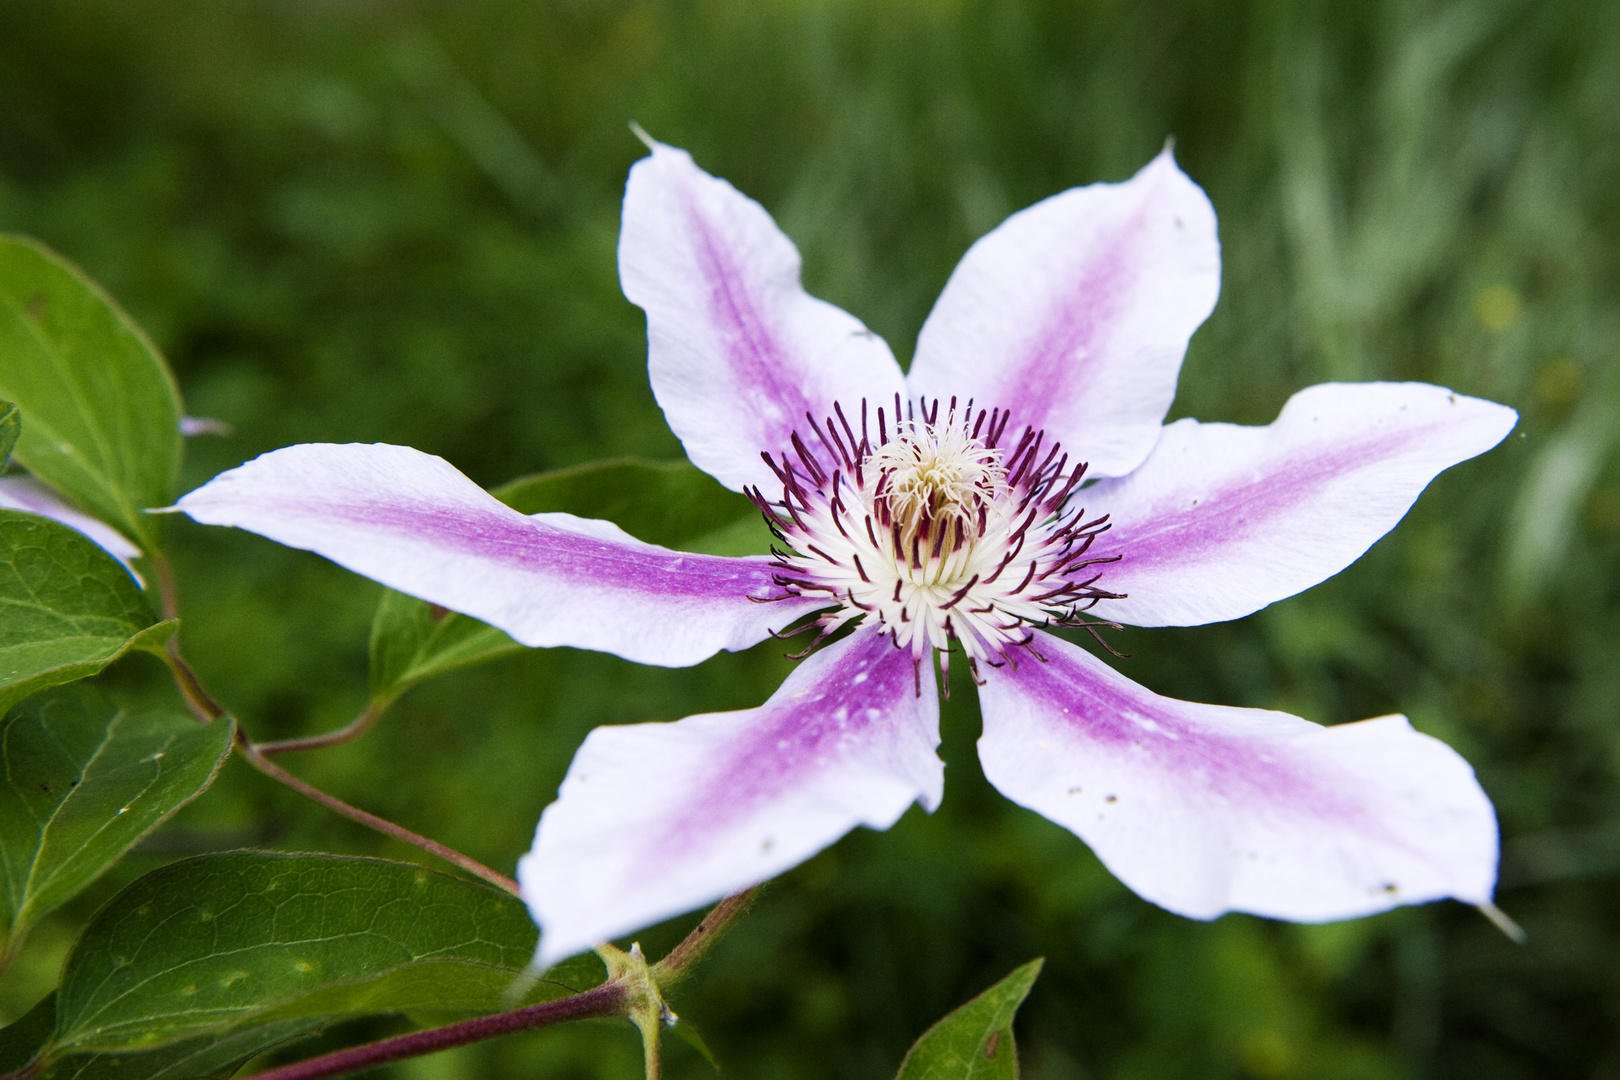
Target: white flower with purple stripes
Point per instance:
(1019, 477)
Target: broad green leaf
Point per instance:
(975, 1042)
(67, 608)
(23, 1038)
(10, 427)
(103, 412)
(84, 781)
(203, 1058)
(412, 640)
(671, 503)
(225, 943)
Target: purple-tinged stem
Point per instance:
(350, 731)
(605, 1000)
(680, 960)
(207, 709)
(252, 756)
(609, 999)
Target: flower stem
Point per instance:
(680, 960)
(616, 997)
(252, 756)
(352, 730)
(207, 709)
(605, 1000)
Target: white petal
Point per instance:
(1075, 314)
(738, 351)
(412, 522)
(26, 493)
(1204, 809)
(656, 819)
(1222, 520)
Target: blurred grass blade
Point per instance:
(103, 412)
(67, 608)
(226, 944)
(84, 781)
(10, 427)
(670, 503)
(975, 1042)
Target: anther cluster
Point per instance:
(936, 528)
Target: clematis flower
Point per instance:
(1016, 479)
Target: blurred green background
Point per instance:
(396, 221)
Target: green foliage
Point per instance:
(10, 427)
(85, 780)
(212, 959)
(103, 412)
(67, 608)
(412, 640)
(975, 1042)
(205, 1058)
(670, 503)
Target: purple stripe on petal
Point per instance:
(1248, 509)
(827, 715)
(759, 362)
(504, 537)
(1204, 809)
(738, 352)
(1071, 348)
(1076, 312)
(655, 819)
(414, 523)
(1222, 520)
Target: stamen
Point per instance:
(947, 514)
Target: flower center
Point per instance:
(937, 529)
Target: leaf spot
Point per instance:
(992, 1044)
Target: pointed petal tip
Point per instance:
(647, 140)
(1205, 809)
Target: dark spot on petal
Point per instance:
(1112, 798)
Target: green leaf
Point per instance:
(84, 781)
(412, 640)
(67, 608)
(23, 1038)
(194, 1059)
(103, 412)
(671, 503)
(252, 940)
(689, 1035)
(975, 1042)
(10, 427)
